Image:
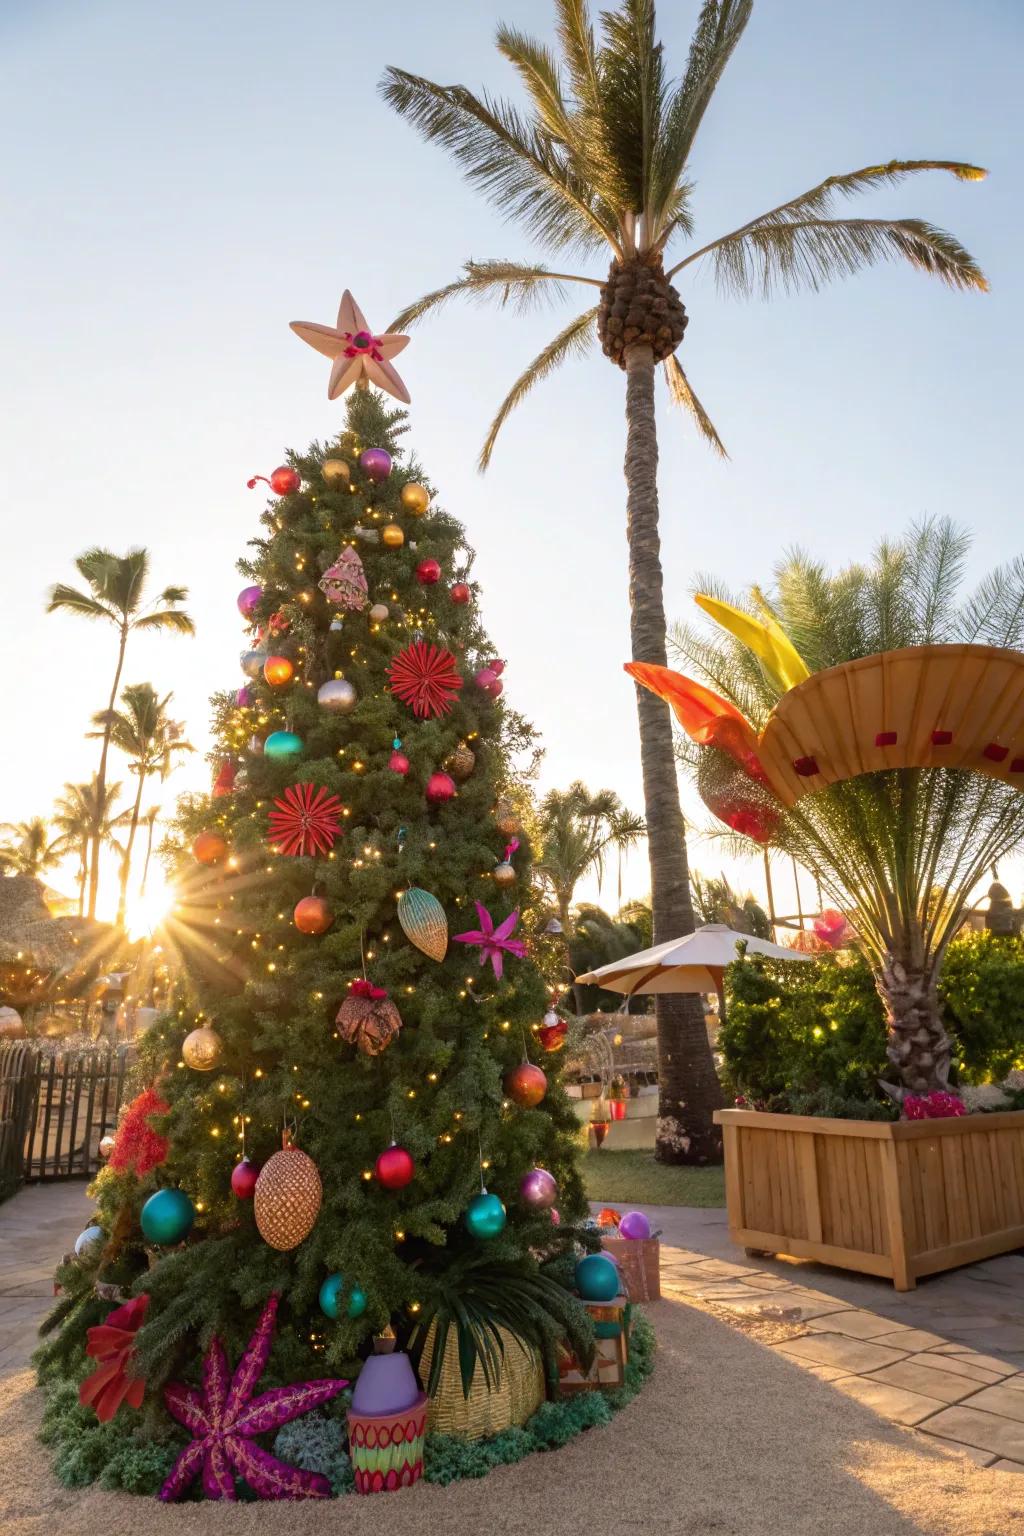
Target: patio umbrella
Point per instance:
(695, 963)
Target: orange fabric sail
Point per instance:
(704, 715)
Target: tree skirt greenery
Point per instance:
(124, 1454)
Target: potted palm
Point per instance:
(617, 1095)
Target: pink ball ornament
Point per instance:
(556, 1220)
(243, 698)
(243, 1179)
(249, 600)
(497, 667)
(635, 1225)
(440, 788)
(428, 572)
(538, 1190)
(375, 464)
(494, 689)
(399, 763)
(485, 679)
(394, 1167)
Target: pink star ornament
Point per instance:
(359, 356)
(493, 942)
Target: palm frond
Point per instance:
(719, 28)
(683, 396)
(576, 36)
(994, 613)
(64, 597)
(632, 104)
(572, 341)
(538, 69)
(172, 595)
(167, 618)
(515, 166)
(813, 252)
(520, 286)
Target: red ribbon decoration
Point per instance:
(363, 988)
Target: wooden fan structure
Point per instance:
(926, 706)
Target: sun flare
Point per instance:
(145, 913)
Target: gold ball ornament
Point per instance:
(287, 1198)
(335, 472)
(392, 536)
(504, 874)
(203, 1049)
(461, 762)
(415, 498)
(379, 612)
(506, 819)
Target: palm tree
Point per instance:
(29, 848)
(598, 164)
(899, 851)
(77, 814)
(715, 901)
(576, 831)
(150, 819)
(149, 738)
(116, 588)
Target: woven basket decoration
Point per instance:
(368, 1019)
(287, 1198)
(928, 706)
(423, 922)
(486, 1411)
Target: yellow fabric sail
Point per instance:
(769, 643)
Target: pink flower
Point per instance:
(494, 943)
(933, 1106)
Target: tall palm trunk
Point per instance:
(126, 862)
(83, 874)
(101, 778)
(688, 1084)
(918, 1045)
(150, 823)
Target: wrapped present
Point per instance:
(611, 1350)
(639, 1262)
(387, 1448)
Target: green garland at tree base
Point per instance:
(123, 1457)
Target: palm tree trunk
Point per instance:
(689, 1091)
(101, 778)
(83, 874)
(126, 862)
(151, 820)
(918, 1045)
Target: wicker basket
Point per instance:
(486, 1411)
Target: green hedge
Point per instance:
(812, 1036)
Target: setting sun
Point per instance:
(145, 913)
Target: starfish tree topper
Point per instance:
(359, 356)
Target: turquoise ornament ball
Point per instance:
(597, 1278)
(167, 1217)
(332, 1295)
(282, 744)
(485, 1215)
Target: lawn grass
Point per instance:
(634, 1178)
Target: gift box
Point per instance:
(611, 1350)
(639, 1261)
(387, 1448)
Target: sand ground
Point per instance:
(727, 1439)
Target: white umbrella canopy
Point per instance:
(691, 964)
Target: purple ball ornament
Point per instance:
(249, 600)
(243, 698)
(635, 1225)
(375, 464)
(538, 1190)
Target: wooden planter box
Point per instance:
(900, 1199)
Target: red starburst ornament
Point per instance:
(305, 821)
(424, 677)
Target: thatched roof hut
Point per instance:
(42, 956)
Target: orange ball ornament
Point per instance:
(313, 915)
(526, 1085)
(278, 670)
(209, 848)
(391, 536)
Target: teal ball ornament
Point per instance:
(334, 1295)
(281, 744)
(167, 1217)
(597, 1278)
(485, 1215)
(89, 1241)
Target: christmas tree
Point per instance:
(352, 1102)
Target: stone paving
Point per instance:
(946, 1359)
(36, 1226)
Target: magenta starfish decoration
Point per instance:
(494, 943)
(223, 1421)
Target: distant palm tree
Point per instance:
(80, 810)
(576, 831)
(599, 163)
(116, 589)
(715, 901)
(28, 848)
(150, 739)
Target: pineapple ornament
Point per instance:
(461, 762)
(506, 819)
(639, 307)
(287, 1197)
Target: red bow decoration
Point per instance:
(113, 1344)
(305, 822)
(361, 988)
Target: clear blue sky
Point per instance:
(181, 181)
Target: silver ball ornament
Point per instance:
(252, 663)
(87, 1241)
(256, 745)
(337, 696)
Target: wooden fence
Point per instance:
(55, 1106)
